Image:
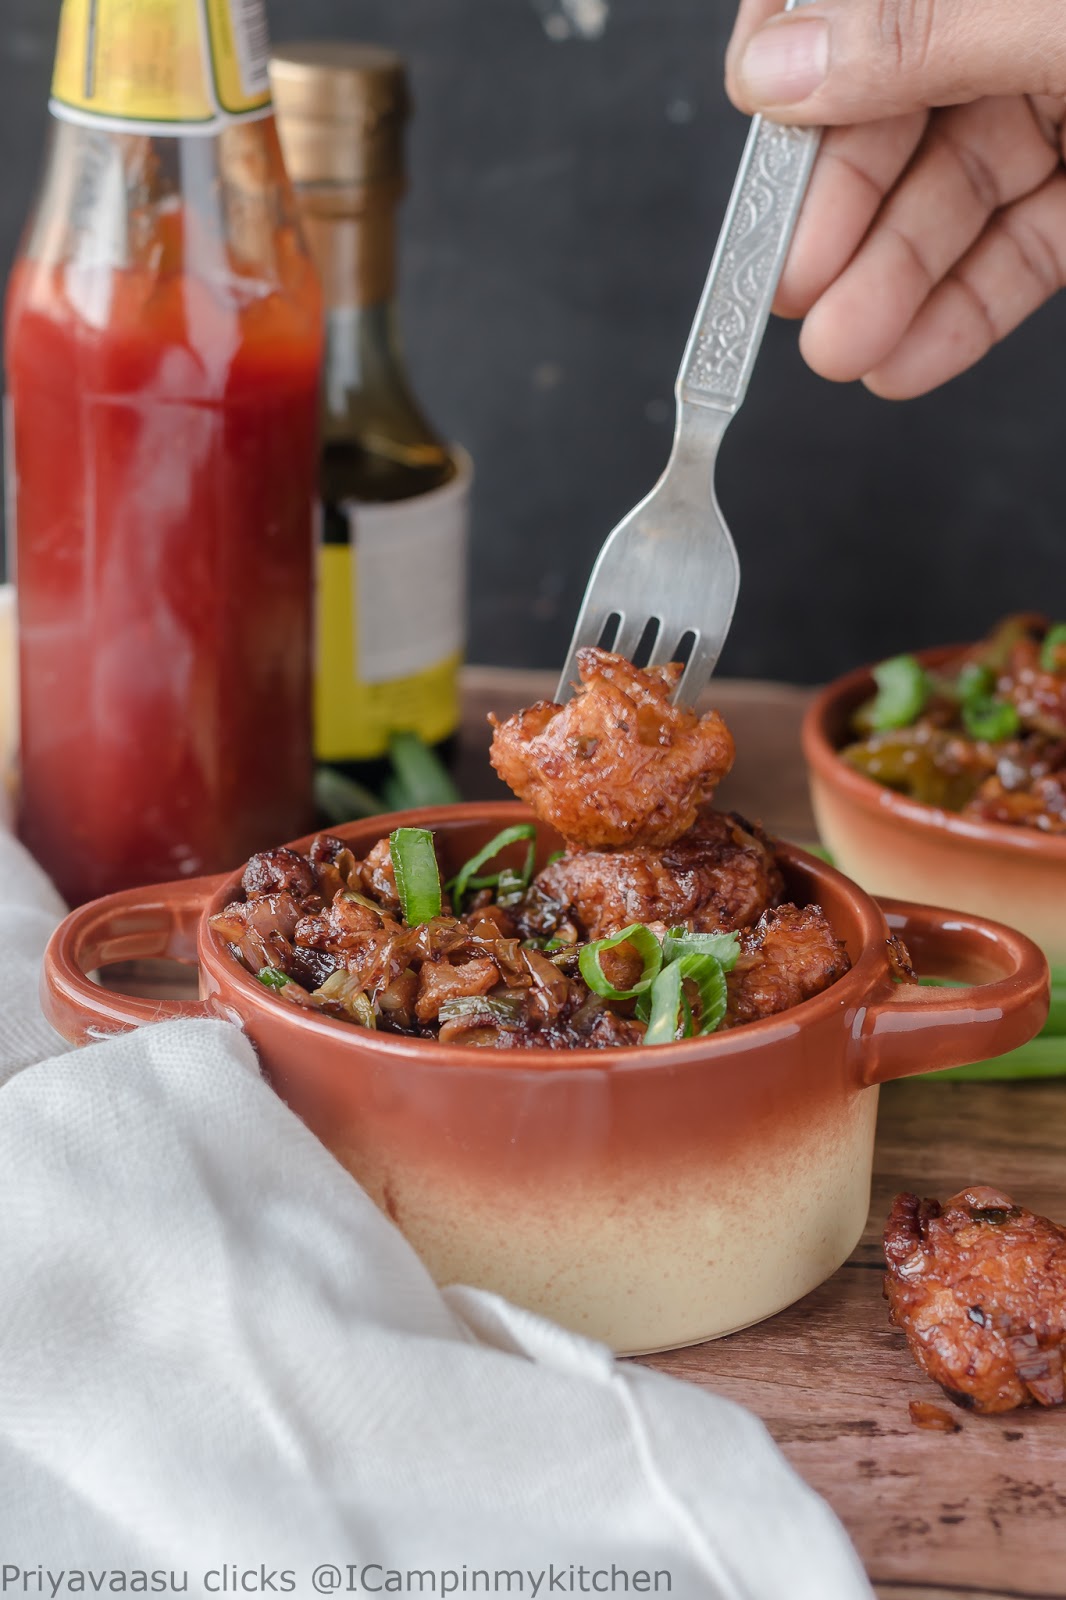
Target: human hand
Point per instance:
(936, 217)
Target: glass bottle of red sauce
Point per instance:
(163, 346)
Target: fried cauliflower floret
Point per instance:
(978, 1285)
(618, 765)
(720, 876)
(789, 955)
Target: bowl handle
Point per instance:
(159, 921)
(912, 1030)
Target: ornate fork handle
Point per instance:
(735, 308)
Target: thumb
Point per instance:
(842, 61)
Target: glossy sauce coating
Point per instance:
(978, 1285)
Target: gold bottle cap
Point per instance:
(341, 110)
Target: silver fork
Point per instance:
(670, 569)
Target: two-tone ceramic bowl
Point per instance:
(893, 845)
(649, 1197)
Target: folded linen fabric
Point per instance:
(223, 1370)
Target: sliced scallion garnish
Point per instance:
(512, 885)
(271, 978)
(419, 777)
(991, 719)
(708, 974)
(1053, 650)
(975, 682)
(902, 693)
(644, 943)
(666, 1008)
(664, 1003)
(414, 862)
(724, 947)
(507, 1010)
(466, 877)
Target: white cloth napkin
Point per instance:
(219, 1360)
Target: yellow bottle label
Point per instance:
(161, 66)
(391, 623)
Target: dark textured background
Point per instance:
(565, 199)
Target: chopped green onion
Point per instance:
(414, 861)
(465, 878)
(664, 1003)
(667, 998)
(508, 1010)
(724, 947)
(345, 989)
(902, 693)
(340, 799)
(644, 943)
(271, 978)
(556, 855)
(511, 885)
(1053, 650)
(421, 779)
(708, 974)
(975, 682)
(994, 720)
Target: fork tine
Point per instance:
(701, 663)
(592, 619)
(697, 671)
(630, 633)
(665, 646)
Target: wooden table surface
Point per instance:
(981, 1512)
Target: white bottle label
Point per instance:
(410, 579)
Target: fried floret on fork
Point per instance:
(618, 765)
(789, 955)
(978, 1285)
(721, 875)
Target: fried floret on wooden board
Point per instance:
(618, 765)
(978, 1285)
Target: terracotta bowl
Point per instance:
(892, 845)
(647, 1197)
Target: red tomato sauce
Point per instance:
(164, 448)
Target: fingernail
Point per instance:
(786, 62)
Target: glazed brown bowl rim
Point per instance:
(842, 695)
(858, 986)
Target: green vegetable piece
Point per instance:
(725, 947)
(975, 682)
(708, 973)
(903, 690)
(271, 978)
(466, 878)
(414, 862)
(661, 1008)
(991, 719)
(664, 1003)
(644, 943)
(508, 1010)
(1053, 650)
(339, 799)
(420, 777)
(512, 885)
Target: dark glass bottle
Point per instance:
(391, 612)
